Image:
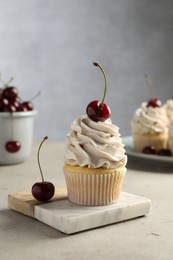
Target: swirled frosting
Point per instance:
(169, 109)
(170, 129)
(94, 144)
(149, 120)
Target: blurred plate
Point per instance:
(128, 142)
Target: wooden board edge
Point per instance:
(24, 202)
(20, 206)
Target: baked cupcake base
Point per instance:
(170, 144)
(159, 141)
(93, 187)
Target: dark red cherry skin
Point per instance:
(154, 102)
(43, 191)
(9, 108)
(12, 146)
(149, 150)
(97, 111)
(21, 108)
(164, 152)
(28, 105)
(3, 104)
(10, 93)
(15, 103)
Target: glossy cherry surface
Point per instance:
(28, 105)
(149, 150)
(10, 93)
(3, 104)
(15, 103)
(97, 111)
(154, 102)
(43, 191)
(21, 108)
(10, 100)
(9, 108)
(12, 146)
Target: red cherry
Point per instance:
(154, 102)
(149, 150)
(3, 104)
(9, 108)
(43, 191)
(10, 93)
(21, 108)
(12, 146)
(97, 111)
(15, 103)
(164, 152)
(28, 105)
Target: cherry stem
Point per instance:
(37, 95)
(8, 82)
(150, 84)
(105, 87)
(38, 157)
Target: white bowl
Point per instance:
(16, 126)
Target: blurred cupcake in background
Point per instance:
(169, 109)
(150, 126)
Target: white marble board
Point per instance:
(71, 218)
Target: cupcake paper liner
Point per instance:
(94, 189)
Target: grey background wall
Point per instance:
(50, 46)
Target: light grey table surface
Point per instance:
(149, 237)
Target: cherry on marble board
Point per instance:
(44, 190)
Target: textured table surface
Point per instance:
(149, 237)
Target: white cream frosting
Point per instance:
(94, 144)
(169, 109)
(170, 129)
(149, 120)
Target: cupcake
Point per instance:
(95, 159)
(169, 109)
(150, 126)
(170, 138)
